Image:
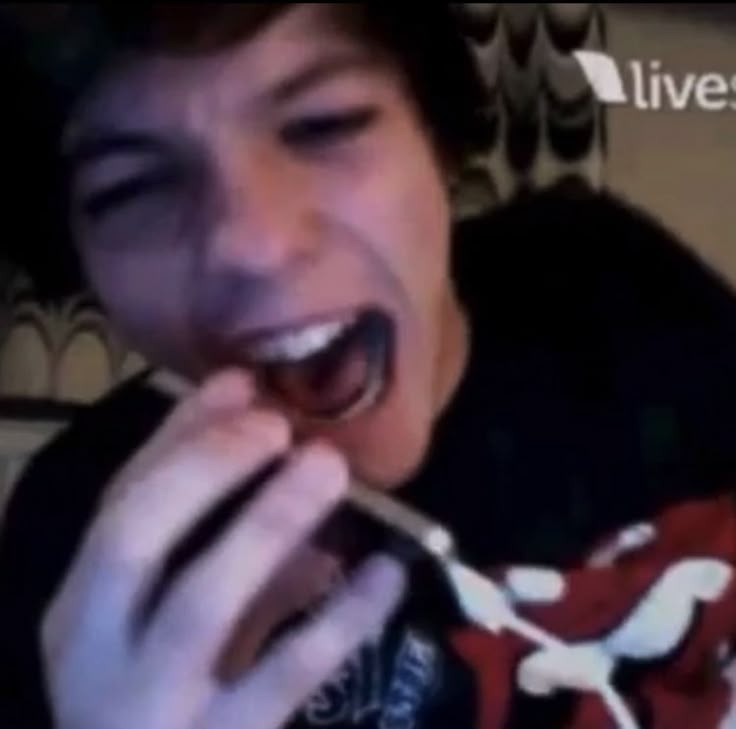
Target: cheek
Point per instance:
(402, 203)
(145, 295)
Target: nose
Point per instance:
(264, 218)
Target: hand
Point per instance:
(102, 674)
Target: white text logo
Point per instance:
(652, 87)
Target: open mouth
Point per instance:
(334, 369)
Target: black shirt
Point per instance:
(601, 388)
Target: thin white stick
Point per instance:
(171, 384)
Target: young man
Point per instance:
(260, 199)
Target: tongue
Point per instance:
(328, 383)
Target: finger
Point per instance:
(131, 537)
(203, 607)
(225, 393)
(226, 390)
(301, 662)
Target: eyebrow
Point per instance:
(318, 72)
(93, 145)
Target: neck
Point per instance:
(453, 352)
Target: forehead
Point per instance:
(166, 88)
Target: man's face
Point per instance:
(277, 206)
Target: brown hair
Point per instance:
(426, 46)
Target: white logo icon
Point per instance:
(602, 73)
(651, 88)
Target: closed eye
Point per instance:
(321, 130)
(129, 190)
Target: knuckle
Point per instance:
(113, 546)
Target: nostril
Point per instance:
(223, 295)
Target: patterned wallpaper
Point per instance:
(545, 121)
(545, 126)
(63, 352)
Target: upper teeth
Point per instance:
(298, 344)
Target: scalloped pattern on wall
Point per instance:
(65, 352)
(545, 123)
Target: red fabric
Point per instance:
(680, 687)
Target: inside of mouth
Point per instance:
(350, 372)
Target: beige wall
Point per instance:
(681, 165)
